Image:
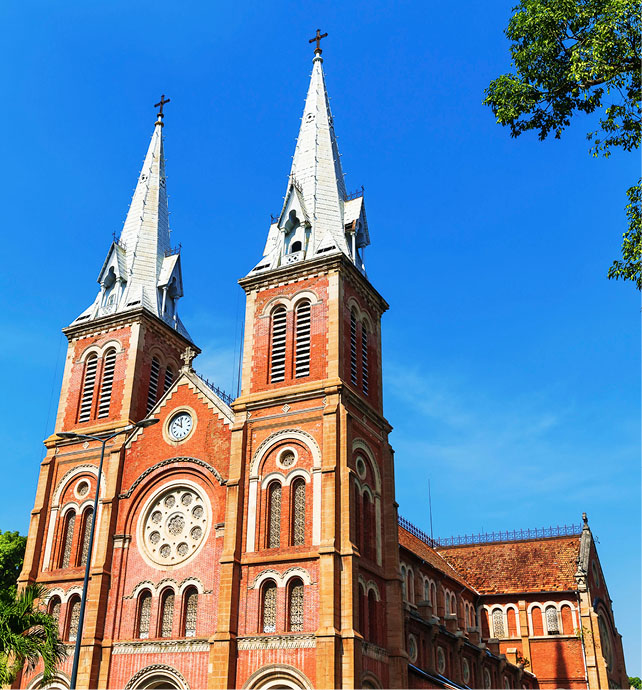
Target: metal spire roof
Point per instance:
(317, 216)
(141, 270)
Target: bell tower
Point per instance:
(314, 499)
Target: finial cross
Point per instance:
(160, 105)
(188, 356)
(317, 38)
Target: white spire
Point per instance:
(317, 217)
(141, 269)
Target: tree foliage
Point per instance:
(635, 682)
(12, 552)
(570, 57)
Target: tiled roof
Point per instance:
(428, 554)
(539, 565)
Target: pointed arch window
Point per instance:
(191, 610)
(268, 607)
(364, 358)
(353, 347)
(169, 379)
(152, 393)
(372, 617)
(498, 623)
(277, 355)
(87, 520)
(74, 618)
(109, 365)
(298, 512)
(89, 383)
(302, 357)
(68, 539)
(295, 605)
(274, 515)
(167, 613)
(144, 614)
(366, 516)
(552, 621)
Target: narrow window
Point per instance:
(366, 516)
(426, 590)
(298, 512)
(88, 518)
(302, 361)
(362, 610)
(404, 584)
(295, 606)
(364, 358)
(498, 623)
(277, 362)
(169, 378)
(274, 512)
(107, 383)
(191, 608)
(167, 613)
(67, 539)
(74, 619)
(296, 247)
(144, 614)
(552, 623)
(411, 586)
(353, 348)
(88, 389)
(372, 617)
(152, 393)
(54, 608)
(268, 614)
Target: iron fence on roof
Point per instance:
(173, 250)
(493, 537)
(355, 195)
(225, 397)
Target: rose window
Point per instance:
(174, 526)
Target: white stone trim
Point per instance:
(281, 579)
(299, 472)
(360, 444)
(273, 476)
(295, 434)
(277, 675)
(174, 646)
(291, 302)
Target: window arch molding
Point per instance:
(290, 303)
(157, 672)
(277, 676)
(360, 445)
(546, 604)
(100, 350)
(278, 437)
(285, 480)
(282, 579)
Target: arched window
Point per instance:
(368, 533)
(364, 358)
(296, 246)
(87, 399)
(109, 365)
(410, 588)
(74, 618)
(538, 621)
(404, 584)
(426, 590)
(295, 605)
(372, 617)
(167, 613)
(498, 623)
(302, 356)
(54, 608)
(67, 539)
(268, 607)
(169, 378)
(274, 515)
(87, 520)
(298, 512)
(144, 614)
(353, 347)
(453, 604)
(152, 393)
(190, 597)
(552, 622)
(277, 354)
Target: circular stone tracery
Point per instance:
(174, 525)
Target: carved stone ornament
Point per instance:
(277, 642)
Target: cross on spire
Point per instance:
(187, 357)
(317, 38)
(160, 105)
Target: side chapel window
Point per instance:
(191, 609)
(295, 606)
(274, 515)
(302, 357)
(87, 520)
(68, 538)
(167, 613)
(498, 623)
(268, 612)
(74, 619)
(277, 359)
(107, 383)
(54, 608)
(298, 512)
(88, 389)
(552, 622)
(144, 614)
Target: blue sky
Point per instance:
(511, 366)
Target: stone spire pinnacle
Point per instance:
(141, 269)
(317, 216)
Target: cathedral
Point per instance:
(255, 542)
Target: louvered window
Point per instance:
(88, 389)
(68, 539)
(498, 623)
(298, 520)
(295, 606)
(302, 362)
(274, 521)
(552, 622)
(144, 614)
(74, 619)
(169, 377)
(191, 608)
(353, 348)
(167, 614)
(107, 383)
(364, 359)
(269, 607)
(277, 362)
(88, 519)
(152, 393)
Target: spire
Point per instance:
(141, 269)
(317, 216)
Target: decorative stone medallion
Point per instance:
(174, 525)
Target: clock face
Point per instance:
(180, 426)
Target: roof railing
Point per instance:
(225, 397)
(355, 195)
(492, 537)
(173, 250)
